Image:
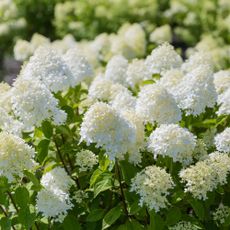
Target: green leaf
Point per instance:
(70, 113)
(47, 129)
(103, 183)
(22, 197)
(71, 223)
(131, 225)
(156, 222)
(94, 177)
(42, 150)
(128, 171)
(173, 216)
(37, 186)
(26, 218)
(111, 216)
(95, 215)
(5, 223)
(198, 208)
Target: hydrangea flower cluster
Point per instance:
(173, 141)
(221, 214)
(184, 225)
(152, 184)
(206, 175)
(109, 129)
(15, 156)
(86, 160)
(53, 200)
(222, 141)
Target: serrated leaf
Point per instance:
(111, 217)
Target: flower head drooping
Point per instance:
(221, 214)
(152, 184)
(206, 175)
(33, 103)
(86, 160)
(173, 141)
(15, 156)
(163, 58)
(222, 141)
(155, 104)
(48, 67)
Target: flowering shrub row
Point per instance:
(96, 138)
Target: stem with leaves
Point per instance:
(119, 177)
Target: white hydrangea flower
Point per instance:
(222, 81)
(197, 59)
(48, 67)
(86, 160)
(57, 179)
(116, 69)
(105, 90)
(138, 124)
(206, 175)
(9, 124)
(106, 127)
(137, 72)
(173, 141)
(170, 80)
(161, 34)
(53, 205)
(224, 102)
(123, 101)
(33, 102)
(196, 91)
(155, 104)
(163, 58)
(134, 37)
(15, 156)
(221, 214)
(184, 225)
(22, 50)
(38, 40)
(152, 184)
(79, 66)
(5, 97)
(222, 141)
